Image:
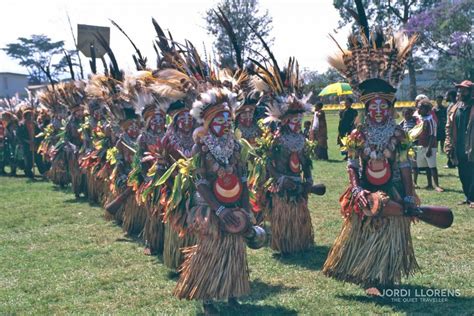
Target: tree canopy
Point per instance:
(43, 58)
(241, 14)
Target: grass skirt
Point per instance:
(292, 230)
(173, 255)
(78, 179)
(372, 251)
(58, 173)
(215, 268)
(134, 216)
(94, 187)
(153, 233)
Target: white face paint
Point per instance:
(294, 123)
(221, 124)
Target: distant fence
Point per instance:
(398, 104)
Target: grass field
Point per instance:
(59, 256)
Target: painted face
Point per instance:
(185, 121)
(294, 123)
(221, 124)
(78, 114)
(97, 114)
(133, 130)
(157, 123)
(246, 117)
(379, 110)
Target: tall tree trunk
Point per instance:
(412, 77)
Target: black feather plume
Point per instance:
(69, 63)
(230, 32)
(92, 62)
(363, 22)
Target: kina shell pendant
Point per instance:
(378, 171)
(227, 188)
(294, 163)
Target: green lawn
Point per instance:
(59, 256)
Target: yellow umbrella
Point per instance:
(338, 88)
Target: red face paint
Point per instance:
(133, 130)
(294, 122)
(185, 121)
(157, 122)
(246, 117)
(221, 124)
(378, 110)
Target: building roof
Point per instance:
(12, 73)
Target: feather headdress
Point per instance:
(49, 99)
(71, 94)
(375, 60)
(211, 102)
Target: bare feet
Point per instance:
(210, 309)
(439, 189)
(471, 205)
(232, 302)
(147, 251)
(373, 291)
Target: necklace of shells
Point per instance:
(380, 140)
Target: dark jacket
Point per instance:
(452, 132)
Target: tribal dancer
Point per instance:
(374, 248)
(216, 268)
(92, 133)
(72, 96)
(150, 145)
(8, 153)
(177, 144)
(52, 147)
(288, 160)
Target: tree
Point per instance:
(387, 13)
(445, 32)
(43, 59)
(315, 82)
(240, 14)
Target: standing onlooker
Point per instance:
(451, 100)
(459, 143)
(442, 115)
(347, 118)
(319, 132)
(427, 145)
(407, 124)
(306, 129)
(26, 133)
(409, 120)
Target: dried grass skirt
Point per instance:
(372, 251)
(173, 256)
(134, 216)
(216, 268)
(292, 230)
(58, 173)
(153, 233)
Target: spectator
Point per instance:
(451, 100)
(460, 138)
(306, 129)
(407, 124)
(418, 100)
(409, 120)
(427, 145)
(319, 132)
(347, 118)
(442, 115)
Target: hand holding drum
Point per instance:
(439, 216)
